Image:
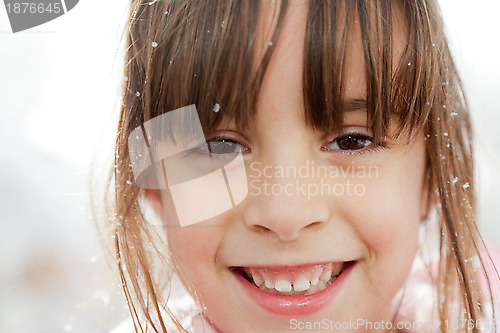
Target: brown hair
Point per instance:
(201, 52)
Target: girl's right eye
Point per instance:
(219, 147)
(224, 146)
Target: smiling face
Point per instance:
(335, 243)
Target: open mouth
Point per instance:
(298, 281)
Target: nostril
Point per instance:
(314, 224)
(261, 228)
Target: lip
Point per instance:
(284, 305)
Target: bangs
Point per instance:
(202, 53)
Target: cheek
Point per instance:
(393, 198)
(193, 246)
(194, 252)
(391, 211)
(387, 216)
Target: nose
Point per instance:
(284, 206)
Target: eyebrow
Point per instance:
(355, 104)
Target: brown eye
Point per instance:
(349, 142)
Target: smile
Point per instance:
(293, 290)
(294, 282)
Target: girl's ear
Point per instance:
(154, 198)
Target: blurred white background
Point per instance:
(58, 103)
(58, 95)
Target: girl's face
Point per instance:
(328, 230)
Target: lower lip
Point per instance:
(294, 305)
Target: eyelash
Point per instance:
(358, 152)
(218, 139)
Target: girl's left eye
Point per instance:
(349, 142)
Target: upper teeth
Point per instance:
(258, 280)
(327, 274)
(269, 284)
(301, 284)
(283, 286)
(318, 281)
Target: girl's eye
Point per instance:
(218, 147)
(349, 142)
(223, 146)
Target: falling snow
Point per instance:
(476, 262)
(154, 44)
(466, 185)
(138, 94)
(216, 107)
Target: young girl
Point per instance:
(293, 151)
